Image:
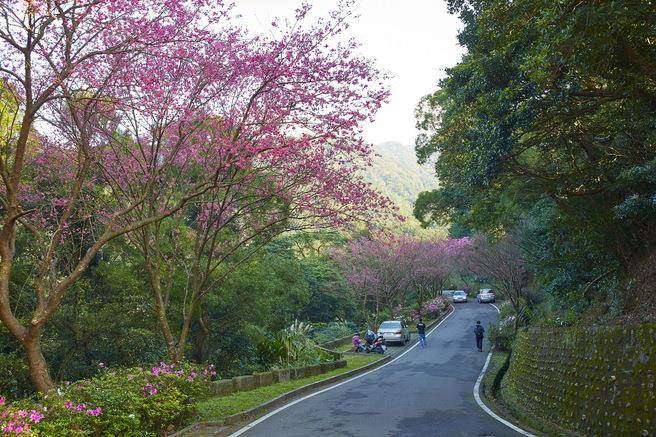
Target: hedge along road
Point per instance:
(426, 392)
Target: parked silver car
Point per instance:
(395, 331)
(459, 296)
(485, 295)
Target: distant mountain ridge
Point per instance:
(396, 173)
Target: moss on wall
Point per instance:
(592, 381)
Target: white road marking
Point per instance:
(284, 407)
(485, 408)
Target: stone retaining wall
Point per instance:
(593, 381)
(333, 343)
(225, 387)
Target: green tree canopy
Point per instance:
(554, 104)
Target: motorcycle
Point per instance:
(377, 346)
(369, 338)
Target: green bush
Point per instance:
(126, 402)
(506, 310)
(15, 379)
(325, 332)
(291, 347)
(502, 335)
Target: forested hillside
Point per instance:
(396, 173)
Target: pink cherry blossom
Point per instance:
(145, 110)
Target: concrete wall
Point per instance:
(225, 387)
(333, 343)
(592, 381)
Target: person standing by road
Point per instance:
(421, 331)
(479, 331)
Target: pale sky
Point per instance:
(413, 40)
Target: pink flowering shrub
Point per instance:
(14, 419)
(430, 310)
(154, 401)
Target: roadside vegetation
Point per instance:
(217, 408)
(543, 137)
(543, 143)
(163, 207)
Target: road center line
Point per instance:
(479, 401)
(284, 407)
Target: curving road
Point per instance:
(426, 392)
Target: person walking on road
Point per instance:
(479, 331)
(421, 331)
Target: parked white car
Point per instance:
(395, 331)
(485, 295)
(459, 296)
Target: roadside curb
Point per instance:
(265, 406)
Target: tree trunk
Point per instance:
(184, 332)
(160, 308)
(37, 363)
(201, 340)
(377, 310)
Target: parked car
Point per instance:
(485, 295)
(394, 330)
(459, 296)
(448, 293)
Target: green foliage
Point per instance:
(15, 379)
(108, 316)
(328, 299)
(325, 332)
(549, 128)
(501, 336)
(291, 347)
(262, 297)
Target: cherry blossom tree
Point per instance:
(97, 114)
(126, 112)
(504, 265)
(289, 163)
(430, 263)
(384, 271)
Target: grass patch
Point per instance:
(497, 361)
(219, 407)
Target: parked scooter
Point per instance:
(374, 343)
(369, 338)
(379, 345)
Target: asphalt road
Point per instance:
(426, 392)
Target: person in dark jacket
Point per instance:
(479, 331)
(421, 331)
